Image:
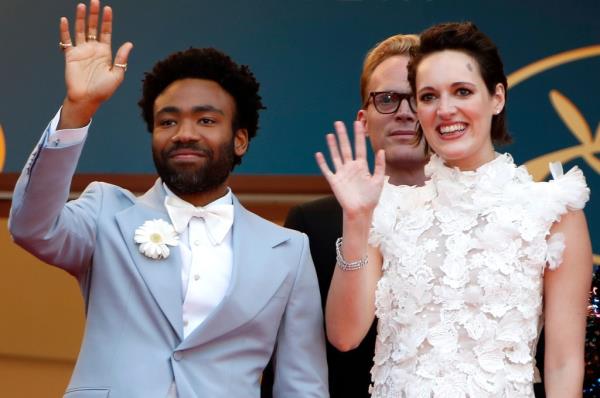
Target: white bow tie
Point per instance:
(218, 218)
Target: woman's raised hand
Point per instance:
(356, 189)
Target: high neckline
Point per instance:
(436, 165)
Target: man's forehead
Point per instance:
(194, 95)
(390, 75)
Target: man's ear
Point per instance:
(361, 116)
(240, 142)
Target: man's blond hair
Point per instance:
(393, 45)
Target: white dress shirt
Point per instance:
(206, 266)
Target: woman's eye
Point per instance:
(427, 97)
(463, 92)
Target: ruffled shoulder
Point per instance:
(569, 191)
(565, 192)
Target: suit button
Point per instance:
(178, 355)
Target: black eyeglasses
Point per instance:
(387, 102)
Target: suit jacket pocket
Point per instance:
(87, 392)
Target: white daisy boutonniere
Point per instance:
(154, 237)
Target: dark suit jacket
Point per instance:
(349, 372)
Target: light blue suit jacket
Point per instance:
(133, 344)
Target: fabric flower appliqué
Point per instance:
(154, 237)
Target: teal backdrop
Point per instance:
(307, 54)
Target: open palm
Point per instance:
(356, 189)
(90, 75)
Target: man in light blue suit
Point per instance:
(187, 294)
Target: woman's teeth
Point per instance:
(453, 128)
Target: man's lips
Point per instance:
(402, 133)
(187, 154)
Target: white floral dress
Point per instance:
(460, 300)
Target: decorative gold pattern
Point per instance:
(578, 126)
(551, 62)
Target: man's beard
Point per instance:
(196, 179)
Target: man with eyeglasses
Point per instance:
(388, 114)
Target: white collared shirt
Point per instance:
(205, 270)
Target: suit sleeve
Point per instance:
(300, 362)
(294, 220)
(40, 220)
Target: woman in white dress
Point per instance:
(458, 271)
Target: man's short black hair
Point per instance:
(208, 64)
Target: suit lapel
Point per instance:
(162, 277)
(256, 277)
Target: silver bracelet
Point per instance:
(347, 265)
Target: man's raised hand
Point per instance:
(91, 75)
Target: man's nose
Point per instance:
(404, 111)
(186, 132)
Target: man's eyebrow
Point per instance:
(207, 108)
(195, 109)
(168, 109)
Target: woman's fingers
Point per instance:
(322, 163)
(341, 154)
(334, 152)
(345, 147)
(379, 171)
(360, 147)
(341, 150)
